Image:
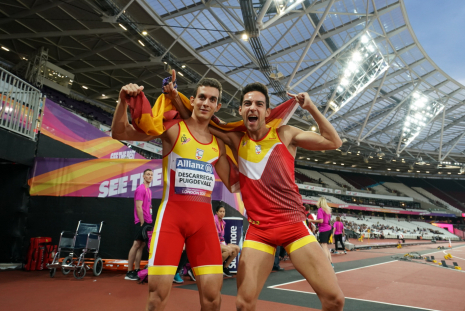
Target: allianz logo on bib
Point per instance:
(194, 165)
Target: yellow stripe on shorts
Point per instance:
(299, 243)
(208, 270)
(260, 246)
(162, 270)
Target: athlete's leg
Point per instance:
(139, 256)
(159, 291)
(326, 251)
(165, 251)
(310, 261)
(204, 254)
(254, 267)
(209, 286)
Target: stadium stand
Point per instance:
(338, 179)
(80, 107)
(358, 180)
(391, 227)
(324, 179)
(380, 189)
(436, 199)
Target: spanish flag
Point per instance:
(154, 121)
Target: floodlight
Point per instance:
(422, 110)
(361, 63)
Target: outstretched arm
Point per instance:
(232, 139)
(328, 139)
(120, 127)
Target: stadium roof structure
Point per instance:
(289, 45)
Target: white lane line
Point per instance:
(384, 303)
(274, 286)
(366, 266)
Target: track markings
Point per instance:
(358, 299)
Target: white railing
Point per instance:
(20, 105)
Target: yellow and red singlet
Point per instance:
(270, 194)
(185, 213)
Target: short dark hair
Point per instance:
(209, 82)
(147, 170)
(218, 208)
(259, 87)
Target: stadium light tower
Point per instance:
(362, 62)
(421, 111)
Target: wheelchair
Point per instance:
(85, 241)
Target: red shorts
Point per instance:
(291, 237)
(191, 223)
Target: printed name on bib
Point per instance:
(194, 177)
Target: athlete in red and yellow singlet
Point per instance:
(270, 195)
(272, 201)
(185, 215)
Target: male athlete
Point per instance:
(185, 213)
(276, 214)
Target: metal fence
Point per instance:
(20, 105)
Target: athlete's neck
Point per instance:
(199, 129)
(146, 184)
(258, 134)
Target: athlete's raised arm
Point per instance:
(328, 139)
(171, 92)
(120, 127)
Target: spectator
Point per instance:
(230, 251)
(338, 233)
(142, 218)
(322, 219)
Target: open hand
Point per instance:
(170, 90)
(303, 99)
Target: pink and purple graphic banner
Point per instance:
(64, 126)
(102, 178)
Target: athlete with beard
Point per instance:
(274, 206)
(189, 153)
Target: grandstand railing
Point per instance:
(20, 105)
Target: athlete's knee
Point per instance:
(158, 293)
(211, 299)
(245, 301)
(333, 300)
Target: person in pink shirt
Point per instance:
(338, 233)
(142, 218)
(230, 251)
(323, 219)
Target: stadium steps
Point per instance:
(316, 176)
(445, 196)
(338, 179)
(435, 198)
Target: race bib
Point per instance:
(194, 177)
